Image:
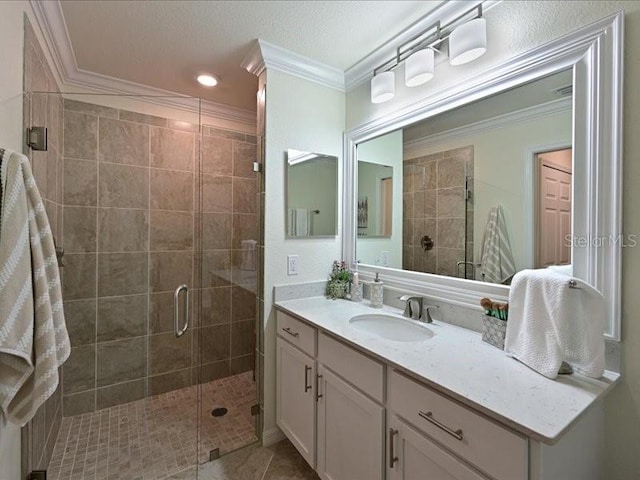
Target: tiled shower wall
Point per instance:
(131, 190)
(435, 205)
(39, 435)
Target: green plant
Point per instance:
(339, 272)
(339, 280)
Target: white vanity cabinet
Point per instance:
(295, 385)
(414, 456)
(333, 415)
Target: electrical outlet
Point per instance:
(292, 264)
(385, 259)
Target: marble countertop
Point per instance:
(456, 362)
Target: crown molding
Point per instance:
(264, 55)
(56, 38)
(447, 11)
(413, 148)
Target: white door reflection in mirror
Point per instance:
(312, 194)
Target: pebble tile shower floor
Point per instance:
(155, 438)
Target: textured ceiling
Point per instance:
(165, 43)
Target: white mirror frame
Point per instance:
(595, 55)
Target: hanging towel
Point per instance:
(33, 337)
(497, 264)
(302, 222)
(549, 323)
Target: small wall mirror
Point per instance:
(312, 194)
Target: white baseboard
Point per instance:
(271, 436)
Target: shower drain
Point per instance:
(219, 412)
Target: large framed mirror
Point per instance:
(526, 156)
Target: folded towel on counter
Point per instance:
(549, 323)
(33, 337)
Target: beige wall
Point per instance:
(517, 26)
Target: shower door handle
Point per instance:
(176, 310)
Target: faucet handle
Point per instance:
(427, 312)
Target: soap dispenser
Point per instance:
(376, 292)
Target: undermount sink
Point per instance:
(390, 327)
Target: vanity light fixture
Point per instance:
(207, 80)
(467, 41)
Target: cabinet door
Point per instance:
(412, 456)
(350, 431)
(295, 402)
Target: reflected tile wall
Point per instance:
(434, 205)
(131, 234)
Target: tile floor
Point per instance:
(155, 438)
(277, 462)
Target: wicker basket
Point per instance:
(493, 331)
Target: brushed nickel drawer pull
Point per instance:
(291, 332)
(392, 454)
(457, 434)
(307, 387)
(318, 394)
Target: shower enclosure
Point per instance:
(156, 212)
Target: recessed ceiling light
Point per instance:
(207, 80)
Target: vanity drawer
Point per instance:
(297, 333)
(355, 367)
(499, 452)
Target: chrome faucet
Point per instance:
(415, 309)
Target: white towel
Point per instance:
(302, 222)
(550, 323)
(33, 337)
(497, 264)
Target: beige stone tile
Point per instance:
(168, 353)
(244, 195)
(122, 230)
(216, 306)
(245, 227)
(407, 205)
(79, 276)
(184, 126)
(123, 142)
(122, 274)
(216, 194)
(172, 149)
(80, 317)
(171, 230)
(244, 154)
(168, 270)
(80, 136)
(242, 364)
(85, 107)
(217, 156)
(451, 172)
(80, 229)
(123, 186)
(79, 370)
(118, 394)
(143, 118)
(79, 403)
(243, 304)
(215, 343)
(451, 202)
(216, 265)
(121, 317)
(447, 261)
(222, 133)
(171, 190)
(451, 233)
(121, 361)
(167, 382)
(242, 338)
(80, 182)
(216, 231)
